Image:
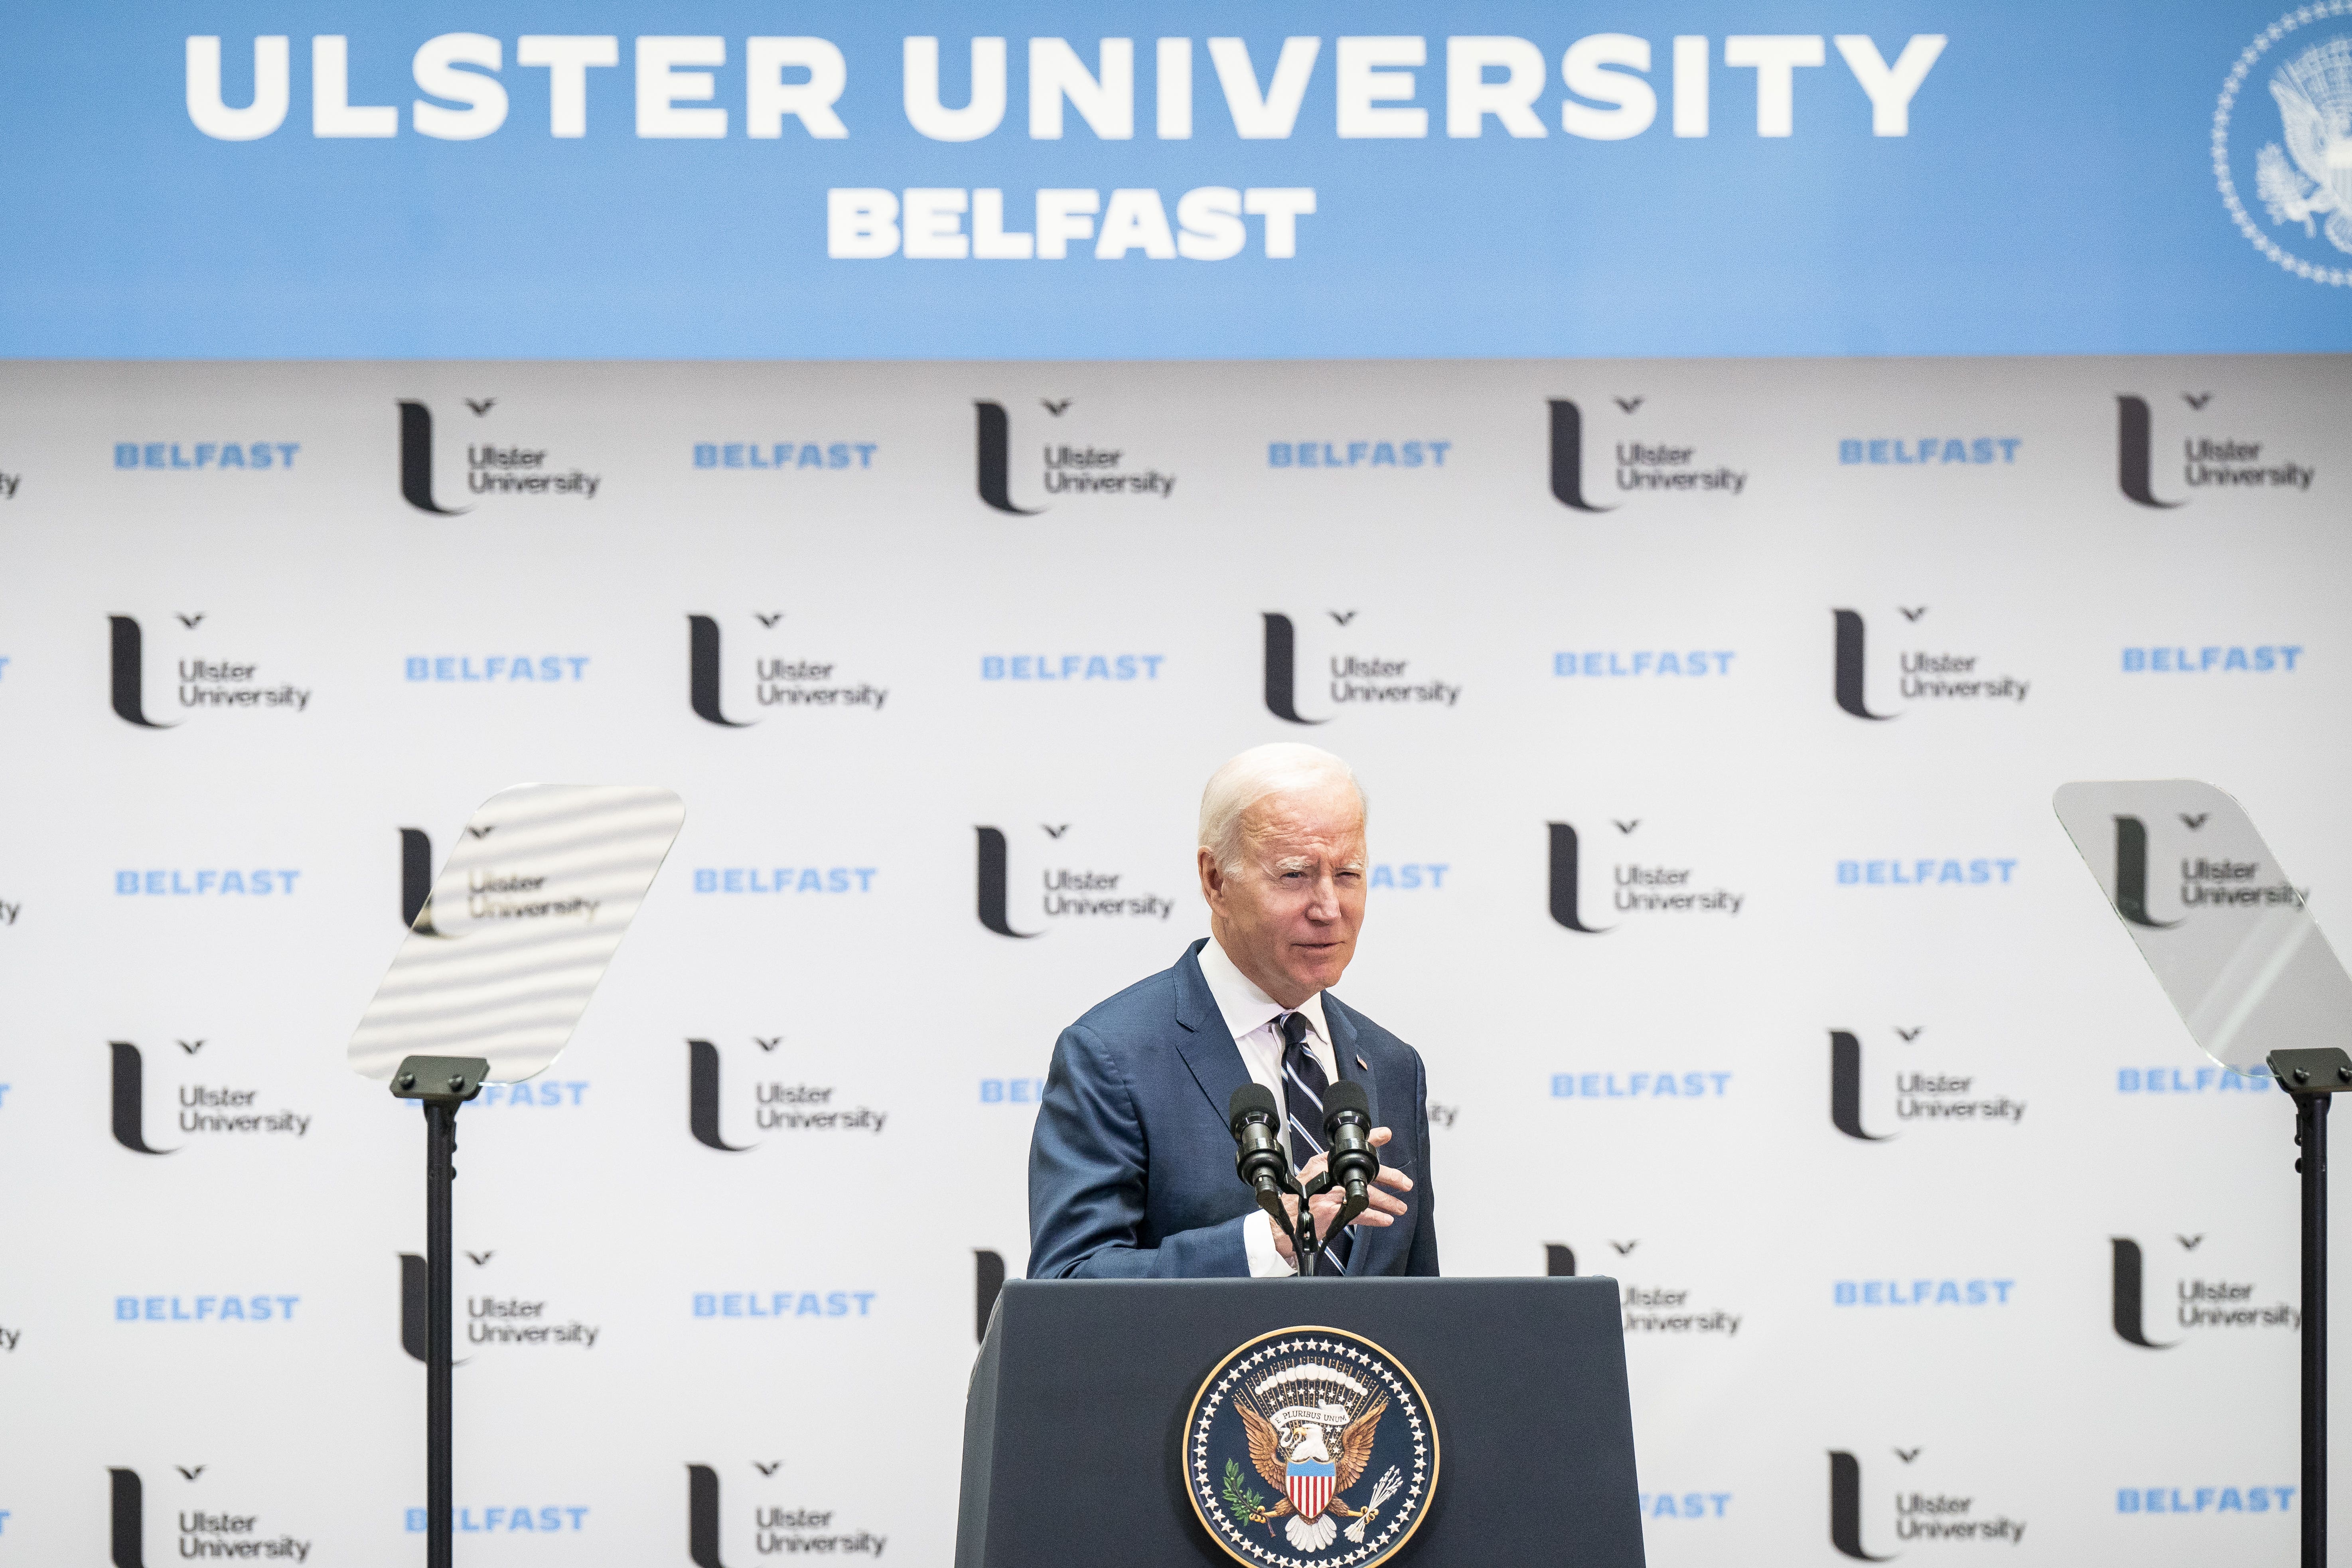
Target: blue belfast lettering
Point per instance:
(1922, 1292)
(547, 1519)
(2200, 1500)
(783, 1303)
(1920, 873)
(1608, 663)
(1980, 450)
(2261, 659)
(1684, 1505)
(1012, 1090)
(206, 1309)
(1640, 1085)
(1408, 877)
(543, 668)
(783, 880)
(1071, 665)
(201, 883)
(2194, 1080)
(536, 1093)
(205, 455)
(1357, 453)
(785, 454)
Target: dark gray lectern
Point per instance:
(1078, 1403)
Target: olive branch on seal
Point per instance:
(1244, 1501)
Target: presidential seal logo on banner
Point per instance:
(1310, 1446)
(2297, 163)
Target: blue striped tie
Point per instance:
(1303, 1084)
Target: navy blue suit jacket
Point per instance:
(1131, 1167)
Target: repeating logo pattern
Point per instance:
(1728, 781)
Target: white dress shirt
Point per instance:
(1254, 1020)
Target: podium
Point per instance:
(1077, 1417)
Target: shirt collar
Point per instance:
(1245, 1008)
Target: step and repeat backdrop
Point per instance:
(1709, 712)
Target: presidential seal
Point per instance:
(2297, 162)
(1310, 1446)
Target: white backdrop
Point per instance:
(795, 1311)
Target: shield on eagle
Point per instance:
(1309, 1486)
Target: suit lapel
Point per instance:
(1344, 1046)
(1209, 1053)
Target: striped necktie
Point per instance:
(1303, 1084)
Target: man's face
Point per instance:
(1288, 914)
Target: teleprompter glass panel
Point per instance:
(2227, 932)
(532, 903)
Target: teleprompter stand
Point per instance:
(442, 1084)
(2257, 986)
(2312, 1078)
(492, 989)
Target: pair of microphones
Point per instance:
(1255, 1121)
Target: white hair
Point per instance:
(1256, 773)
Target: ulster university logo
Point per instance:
(2203, 1297)
(203, 1109)
(1068, 468)
(1929, 1096)
(2205, 880)
(783, 1106)
(1316, 1438)
(1356, 679)
(2224, 458)
(1065, 892)
(1638, 886)
(204, 1533)
(2291, 153)
(204, 682)
(1924, 1514)
(1927, 674)
(1640, 464)
(795, 684)
(492, 469)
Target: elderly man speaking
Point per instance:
(1131, 1166)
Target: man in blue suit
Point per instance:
(1131, 1164)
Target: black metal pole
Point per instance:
(441, 1084)
(2311, 1131)
(440, 1334)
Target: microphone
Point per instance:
(1255, 1123)
(1348, 1134)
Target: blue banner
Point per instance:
(501, 179)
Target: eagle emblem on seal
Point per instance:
(1314, 1453)
(1337, 1453)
